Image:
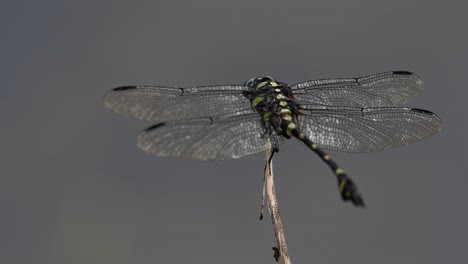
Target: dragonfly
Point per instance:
(220, 122)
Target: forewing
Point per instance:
(367, 129)
(378, 90)
(205, 139)
(157, 103)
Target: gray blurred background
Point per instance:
(74, 187)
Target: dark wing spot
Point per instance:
(422, 111)
(402, 73)
(154, 126)
(124, 88)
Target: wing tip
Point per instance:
(110, 97)
(413, 76)
(435, 117)
(426, 112)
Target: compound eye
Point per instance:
(251, 82)
(267, 79)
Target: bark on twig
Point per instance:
(281, 250)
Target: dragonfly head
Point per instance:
(256, 81)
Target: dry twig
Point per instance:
(281, 250)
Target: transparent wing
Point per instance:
(157, 103)
(206, 138)
(380, 90)
(367, 129)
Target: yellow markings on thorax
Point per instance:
(260, 85)
(291, 126)
(267, 115)
(285, 111)
(278, 90)
(257, 100)
(274, 84)
(280, 97)
(283, 103)
(287, 117)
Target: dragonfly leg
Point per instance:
(267, 163)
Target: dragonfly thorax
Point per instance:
(275, 104)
